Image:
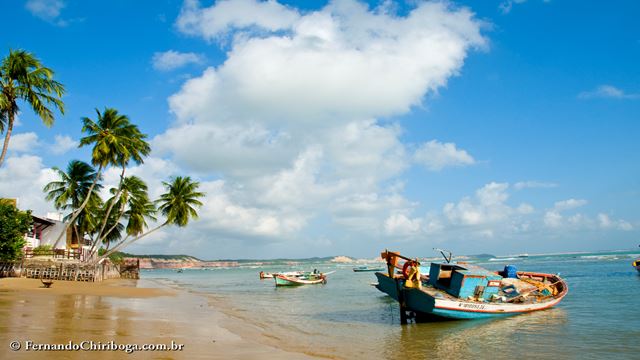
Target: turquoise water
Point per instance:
(349, 319)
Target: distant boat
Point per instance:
(523, 255)
(305, 279)
(465, 291)
(179, 270)
(368, 268)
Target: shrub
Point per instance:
(14, 224)
(42, 250)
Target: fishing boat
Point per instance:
(305, 279)
(465, 291)
(368, 268)
(266, 275)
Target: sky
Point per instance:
(346, 127)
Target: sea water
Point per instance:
(348, 318)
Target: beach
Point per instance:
(120, 314)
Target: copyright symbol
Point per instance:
(15, 345)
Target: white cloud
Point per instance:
(48, 10)
(488, 206)
(608, 92)
(436, 155)
(62, 144)
(24, 142)
(569, 204)
(295, 137)
(171, 60)
(553, 219)
(221, 213)
(401, 225)
(533, 185)
(606, 222)
(337, 64)
(24, 177)
(507, 5)
(227, 15)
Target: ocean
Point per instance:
(348, 318)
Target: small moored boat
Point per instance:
(465, 291)
(305, 279)
(266, 275)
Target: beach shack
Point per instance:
(464, 281)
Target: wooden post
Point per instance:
(391, 263)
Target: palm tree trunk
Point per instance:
(100, 239)
(6, 138)
(124, 243)
(101, 236)
(77, 211)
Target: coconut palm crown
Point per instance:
(24, 78)
(179, 203)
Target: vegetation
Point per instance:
(123, 218)
(24, 78)
(178, 205)
(115, 142)
(118, 256)
(42, 250)
(14, 224)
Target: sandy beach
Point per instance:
(121, 314)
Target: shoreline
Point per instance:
(124, 312)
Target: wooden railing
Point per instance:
(55, 253)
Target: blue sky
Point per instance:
(346, 127)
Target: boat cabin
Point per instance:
(464, 281)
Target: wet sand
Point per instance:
(119, 312)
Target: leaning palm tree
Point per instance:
(132, 147)
(22, 77)
(116, 142)
(71, 190)
(178, 205)
(132, 193)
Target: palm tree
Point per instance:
(115, 142)
(22, 77)
(132, 194)
(70, 192)
(178, 205)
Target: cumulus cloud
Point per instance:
(402, 225)
(62, 144)
(605, 222)
(569, 204)
(24, 142)
(533, 185)
(608, 92)
(340, 63)
(226, 15)
(488, 206)
(560, 217)
(295, 137)
(435, 155)
(48, 10)
(171, 60)
(24, 177)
